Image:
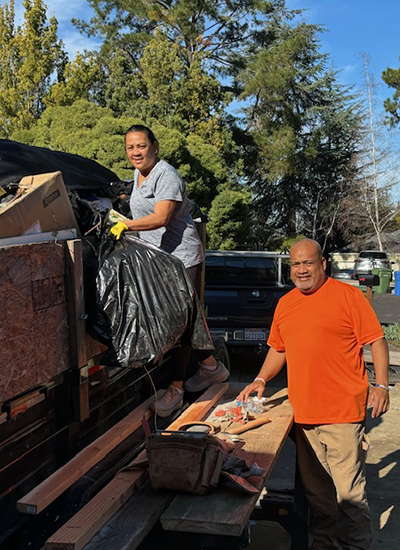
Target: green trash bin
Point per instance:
(385, 276)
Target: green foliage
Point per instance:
(287, 242)
(29, 55)
(84, 129)
(76, 82)
(220, 30)
(229, 224)
(392, 106)
(392, 333)
(305, 128)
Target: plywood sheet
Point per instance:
(34, 344)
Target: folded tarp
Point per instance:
(145, 304)
(79, 173)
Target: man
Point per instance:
(319, 330)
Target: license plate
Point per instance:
(255, 334)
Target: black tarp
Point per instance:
(79, 173)
(146, 303)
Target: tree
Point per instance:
(219, 30)
(376, 172)
(229, 220)
(305, 127)
(29, 56)
(77, 81)
(168, 54)
(95, 132)
(392, 106)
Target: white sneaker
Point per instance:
(169, 402)
(204, 378)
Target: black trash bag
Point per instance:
(146, 303)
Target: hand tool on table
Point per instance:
(241, 428)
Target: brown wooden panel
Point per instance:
(34, 321)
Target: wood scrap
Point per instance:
(52, 487)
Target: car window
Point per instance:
(240, 271)
(374, 255)
(215, 269)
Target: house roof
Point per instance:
(390, 242)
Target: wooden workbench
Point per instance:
(224, 512)
(227, 510)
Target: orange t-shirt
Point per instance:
(322, 335)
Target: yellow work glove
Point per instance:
(117, 229)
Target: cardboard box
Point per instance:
(41, 205)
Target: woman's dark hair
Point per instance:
(140, 128)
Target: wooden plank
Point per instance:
(134, 521)
(147, 509)
(53, 236)
(52, 487)
(202, 406)
(103, 506)
(227, 510)
(76, 303)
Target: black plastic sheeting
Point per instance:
(79, 173)
(145, 303)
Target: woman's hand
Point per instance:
(117, 229)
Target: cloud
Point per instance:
(350, 69)
(64, 11)
(75, 42)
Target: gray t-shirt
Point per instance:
(179, 237)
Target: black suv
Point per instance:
(241, 292)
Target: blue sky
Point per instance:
(353, 27)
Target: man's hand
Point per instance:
(257, 387)
(379, 401)
(117, 229)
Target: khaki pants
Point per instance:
(331, 459)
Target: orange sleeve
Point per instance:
(366, 325)
(275, 339)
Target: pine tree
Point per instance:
(305, 128)
(29, 56)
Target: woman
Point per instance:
(161, 215)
